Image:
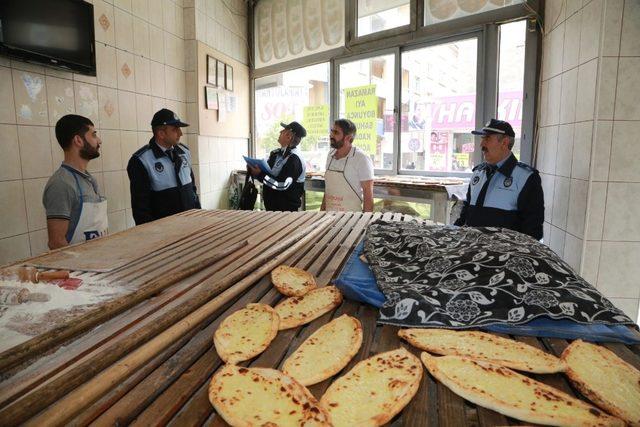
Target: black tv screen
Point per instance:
(53, 32)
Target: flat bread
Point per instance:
(325, 352)
(512, 394)
(246, 333)
(483, 346)
(296, 311)
(375, 390)
(291, 281)
(604, 378)
(263, 397)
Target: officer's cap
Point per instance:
(495, 126)
(296, 128)
(167, 117)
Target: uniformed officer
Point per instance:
(283, 188)
(160, 174)
(503, 192)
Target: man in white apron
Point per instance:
(349, 174)
(76, 210)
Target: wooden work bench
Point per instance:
(133, 368)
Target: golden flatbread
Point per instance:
(608, 381)
(296, 311)
(512, 394)
(484, 346)
(375, 390)
(246, 333)
(326, 351)
(263, 397)
(291, 281)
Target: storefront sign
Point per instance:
(316, 120)
(361, 107)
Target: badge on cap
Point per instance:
(475, 180)
(159, 167)
(508, 181)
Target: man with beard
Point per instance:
(349, 174)
(160, 174)
(76, 210)
(283, 188)
(503, 192)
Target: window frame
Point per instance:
(415, 36)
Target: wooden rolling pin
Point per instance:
(33, 275)
(11, 295)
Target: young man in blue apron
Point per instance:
(349, 175)
(76, 210)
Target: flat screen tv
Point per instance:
(58, 33)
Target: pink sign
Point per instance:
(459, 112)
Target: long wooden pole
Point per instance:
(22, 409)
(75, 326)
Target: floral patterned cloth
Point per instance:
(450, 277)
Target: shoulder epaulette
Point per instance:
(183, 146)
(526, 166)
(142, 150)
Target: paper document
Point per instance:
(261, 163)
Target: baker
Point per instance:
(76, 209)
(349, 173)
(503, 192)
(283, 188)
(160, 174)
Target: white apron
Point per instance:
(93, 221)
(339, 195)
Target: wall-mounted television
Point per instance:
(58, 33)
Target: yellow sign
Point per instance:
(361, 107)
(315, 120)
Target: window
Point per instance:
(439, 107)
(380, 15)
(367, 98)
(436, 11)
(511, 77)
(301, 95)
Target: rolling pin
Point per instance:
(31, 274)
(11, 295)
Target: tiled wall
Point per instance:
(588, 152)
(144, 52)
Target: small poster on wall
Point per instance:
(229, 77)
(211, 71)
(222, 108)
(220, 73)
(210, 98)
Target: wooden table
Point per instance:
(170, 386)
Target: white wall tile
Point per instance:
(114, 190)
(127, 106)
(571, 50)
(630, 43)
(106, 65)
(38, 240)
(104, 22)
(628, 93)
(595, 211)
(143, 75)
(35, 152)
(625, 151)
(590, 32)
(590, 262)
(577, 207)
(157, 79)
(86, 99)
(14, 248)
(587, 74)
(619, 269)
(108, 112)
(33, 191)
(168, 15)
(123, 30)
(573, 251)
(12, 209)
(140, 37)
(555, 95)
(607, 88)
(622, 216)
(140, 8)
(568, 96)
(612, 27)
(565, 150)
(144, 111)
(10, 160)
(156, 44)
(602, 150)
(560, 202)
(60, 99)
(582, 138)
(129, 144)
(8, 112)
(544, 103)
(123, 4)
(117, 221)
(550, 149)
(573, 6)
(628, 305)
(111, 151)
(125, 65)
(546, 232)
(189, 24)
(548, 183)
(156, 13)
(29, 90)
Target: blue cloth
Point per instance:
(357, 282)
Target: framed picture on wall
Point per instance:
(220, 73)
(211, 71)
(210, 98)
(228, 77)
